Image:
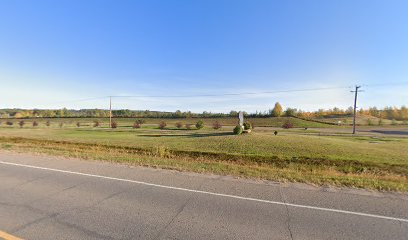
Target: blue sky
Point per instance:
(52, 52)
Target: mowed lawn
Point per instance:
(285, 145)
(292, 155)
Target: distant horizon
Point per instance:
(227, 112)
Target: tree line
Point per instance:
(277, 111)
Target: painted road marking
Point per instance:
(6, 236)
(211, 193)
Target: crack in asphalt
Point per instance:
(287, 213)
(179, 211)
(27, 182)
(55, 215)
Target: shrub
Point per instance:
(114, 124)
(394, 122)
(141, 121)
(188, 126)
(217, 125)
(162, 125)
(35, 124)
(179, 125)
(287, 125)
(61, 124)
(238, 130)
(380, 122)
(9, 123)
(370, 122)
(247, 126)
(136, 125)
(78, 124)
(21, 123)
(276, 133)
(47, 123)
(199, 124)
(96, 123)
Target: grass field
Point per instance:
(128, 122)
(298, 155)
(360, 120)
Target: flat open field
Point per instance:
(323, 154)
(128, 122)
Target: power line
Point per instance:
(83, 99)
(203, 95)
(230, 94)
(384, 84)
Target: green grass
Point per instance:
(362, 120)
(293, 155)
(128, 122)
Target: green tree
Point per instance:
(290, 112)
(277, 110)
(199, 124)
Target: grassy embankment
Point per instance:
(375, 163)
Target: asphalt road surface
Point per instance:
(56, 198)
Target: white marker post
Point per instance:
(241, 118)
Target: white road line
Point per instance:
(211, 193)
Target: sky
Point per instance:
(55, 53)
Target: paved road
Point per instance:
(55, 198)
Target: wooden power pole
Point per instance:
(355, 107)
(110, 111)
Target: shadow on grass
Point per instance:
(193, 135)
(391, 132)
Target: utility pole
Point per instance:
(355, 107)
(110, 111)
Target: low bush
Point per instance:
(9, 123)
(217, 125)
(287, 125)
(238, 130)
(35, 124)
(48, 123)
(136, 124)
(188, 126)
(21, 123)
(96, 123)
(61, 124)
(247, 126)
(140, 121)
(114, 124)
(78, 124)
(199, 124)
(162, 125)
(179, 125)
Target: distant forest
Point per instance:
(392, 113)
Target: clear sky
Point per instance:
(52, 52)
